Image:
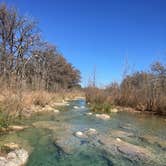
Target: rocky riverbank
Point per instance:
(13, 155)
(62, 137)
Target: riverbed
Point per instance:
(120, 140)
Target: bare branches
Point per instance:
(27, 60)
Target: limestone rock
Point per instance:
(154, 140)
(114, 110)
(11, 146)
(45, 125)
(133, 151)
(118, 139)
(17, 128)
(121, 134)
(80, 134)
(56, 111)
(86, 133)
(91, 131)
(117, 146)
(60, 104)
(17, 157)
(48, 108)
(76, 107)
(89, 113)
(103, 116)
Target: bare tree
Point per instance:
(18, 36)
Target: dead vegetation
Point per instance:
(32, 71)
(143, 91)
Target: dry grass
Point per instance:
(13, 102)
(16, 103)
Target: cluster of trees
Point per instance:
(144, 91)
(26, 60)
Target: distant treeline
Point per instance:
(26, 61)
(144, 91)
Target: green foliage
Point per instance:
(105, 107)
(5, 117)
(4, 120)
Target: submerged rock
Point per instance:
(17, 157)
(103, 116)
(91, 131)
(117, 146)
(76, 107)
(121, 134)
(66, 142)
(154, 140)
(128, 127)
(133, 151)
(46, 125)
(53, 125)
(86, 133)
(89, 113)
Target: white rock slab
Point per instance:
(103, 116)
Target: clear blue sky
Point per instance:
(102, 33)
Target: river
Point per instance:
(51, 140)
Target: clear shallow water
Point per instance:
(147, 131)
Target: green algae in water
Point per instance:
(49, 155)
